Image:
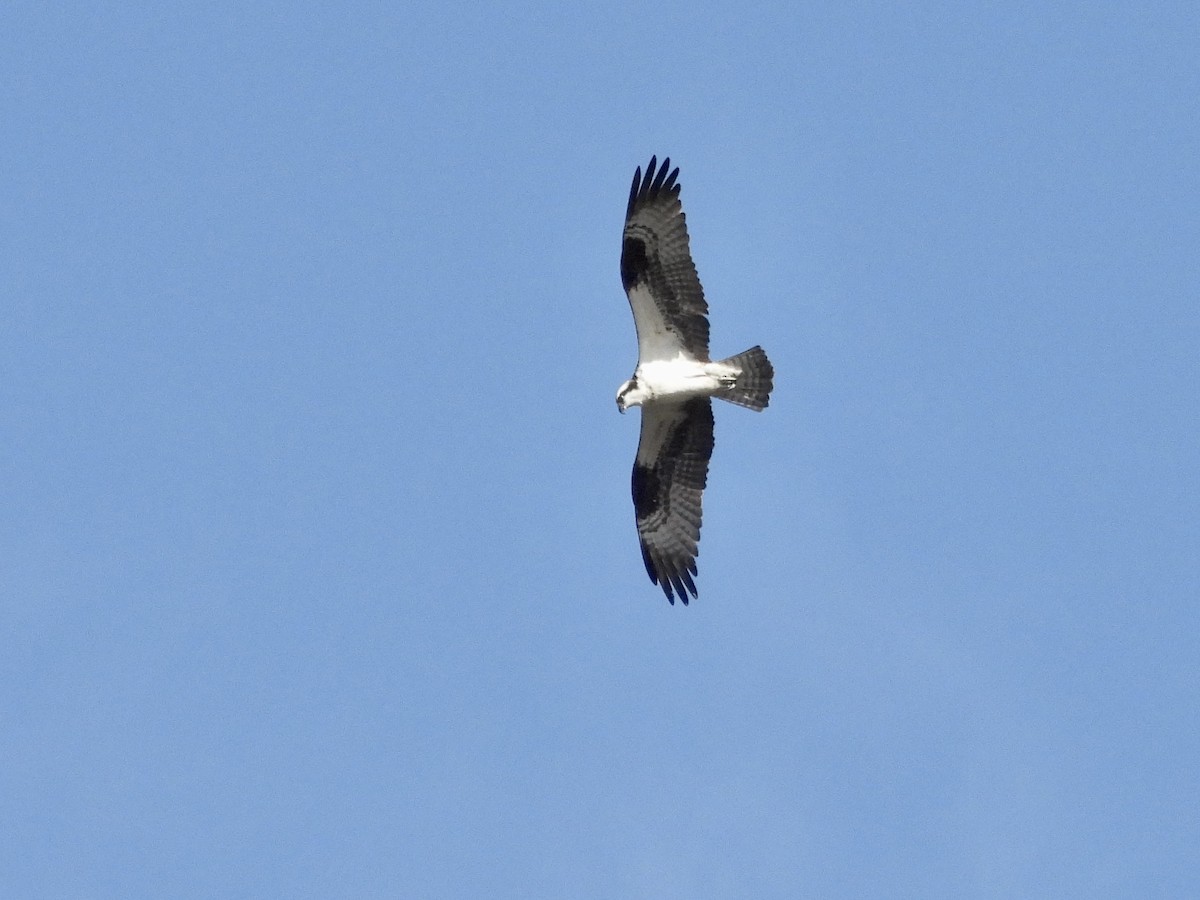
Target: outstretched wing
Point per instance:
(669, 475)
(657, 270)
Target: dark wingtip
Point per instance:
(660, 177)
(634, 190)
(665, 584)
(657, 181)
(673, 584)
(680, 584)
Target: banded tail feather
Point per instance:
(753, 387)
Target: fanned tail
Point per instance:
(753, 386)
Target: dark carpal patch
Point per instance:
(646, 491)
(633, 262)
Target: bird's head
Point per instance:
(628, 395)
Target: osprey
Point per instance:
(674, 379)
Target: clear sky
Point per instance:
(318, 572)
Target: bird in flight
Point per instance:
(674, 380)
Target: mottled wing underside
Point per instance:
(657, 271)
(669, 475)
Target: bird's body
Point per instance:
(679, 379)
(674, 380)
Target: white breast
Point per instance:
(677, 379)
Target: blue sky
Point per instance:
(318, 575)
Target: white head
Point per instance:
(630, 394)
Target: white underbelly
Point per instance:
(678, 379)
